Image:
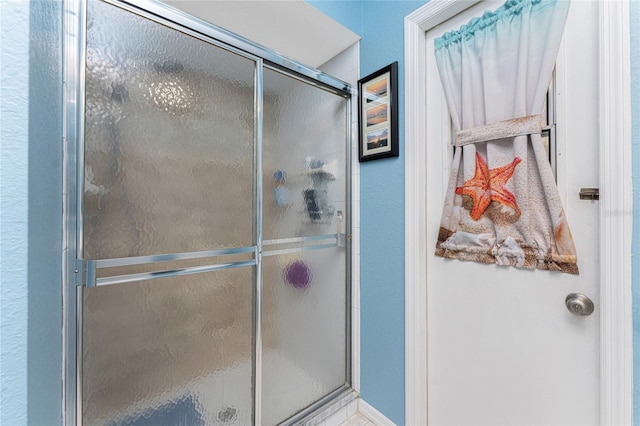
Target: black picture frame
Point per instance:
(378, 114)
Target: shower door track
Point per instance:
(79, 273)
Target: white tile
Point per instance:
(355, 232)
(355, 348)
(345, 66)
(355, 294)
(337, 418)
(358, 419)
(355, 320)
(355, 180)
(342, 65)
(352, 408)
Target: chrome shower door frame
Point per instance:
(79, 273)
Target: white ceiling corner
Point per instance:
(292, 28)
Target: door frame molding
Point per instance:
(616, 221)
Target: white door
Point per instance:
(502, 346)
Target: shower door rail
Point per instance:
(82, 273)
(89, 270)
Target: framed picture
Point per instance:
(378, 114)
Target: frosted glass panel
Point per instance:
(169, 167)
(169, 140)
(305, 356)
(304, 158)
(170, 348)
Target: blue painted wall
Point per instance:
(31, 213)
(346, 12)
(13, 211)
(381, 26)
(382, 228)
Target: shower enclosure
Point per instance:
(208, 231)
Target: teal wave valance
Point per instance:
(507, 11)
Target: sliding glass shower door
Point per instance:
(212, 225)
(304, 262)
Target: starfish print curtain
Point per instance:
(502, 204)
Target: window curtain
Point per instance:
(502, 204)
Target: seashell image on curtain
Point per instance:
(502, 204)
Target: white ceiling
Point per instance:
(292, 28)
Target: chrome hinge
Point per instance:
(85, 273)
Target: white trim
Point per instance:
(616, 221)
(615, 215)
(436, 12)
(341, 415)
(374, 415)
(415, 26)
(415, 214)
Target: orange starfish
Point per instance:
(489, 185)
